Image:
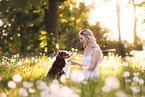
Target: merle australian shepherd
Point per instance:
(57, 67)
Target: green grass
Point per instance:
(34, 68)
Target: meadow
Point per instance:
(119, 77)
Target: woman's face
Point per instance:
(83, 40)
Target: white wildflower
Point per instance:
(54, 87)
(33, 58)
(19, 63)
(15, 56)
(106, 89)
(77, 76)
(23, 92)
(3, 94)
(3, 63)
(126, 74)
(127, 80)
(55, 81)
(27, 84)
(135, 89)
(136, 73)
(11, 84)
(121, 94)
(112, 82)
(45, 94)
(36, 60)
(17, 78)
(136, 79)
(31, 90)
(141, 81)
(133, 83)
(28, 72)
(125, 64)
(66, 92)
(63, 78)
(72, 49)
(41, 85)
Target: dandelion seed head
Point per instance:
(135, 89)
(3, 63)
(121, 94)
(77, 76)
(3, 94)
(31, 90)
(136, 73)
(66, 92)
(28, 72)
(63, 78)
(23, 92)
(19, 63)
(36, 60)
(33, 58)
(127, 80)
(11, 84)
(106, 89)
(125, 64)
(45, 94)
(112, 82)
(41, 85)
(27, 84)
(54, 88)
(55, 81)
(17, 78)
(136, 79)
(126, 74)
(141, 81)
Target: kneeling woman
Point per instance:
(92, 54)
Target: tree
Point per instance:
(121, 49)
(118, 17)
(22, 22)
(72, 18)
(135, 5)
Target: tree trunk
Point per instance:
(135, 20)
(121, 49)
(118, 17)
(52, 27)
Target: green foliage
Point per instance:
(21, 21)
(72, 40)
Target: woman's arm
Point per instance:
(94, 61)
(76, 63)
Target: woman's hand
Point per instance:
(74, 62)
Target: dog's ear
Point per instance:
(60, 52)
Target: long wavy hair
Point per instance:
(92, 41)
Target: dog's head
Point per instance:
(63, 54)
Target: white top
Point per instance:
(87, 73)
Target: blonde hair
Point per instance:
(92, 41)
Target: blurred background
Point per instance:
(46, 26)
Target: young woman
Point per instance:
(92, 54)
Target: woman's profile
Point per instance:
(92, 54)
